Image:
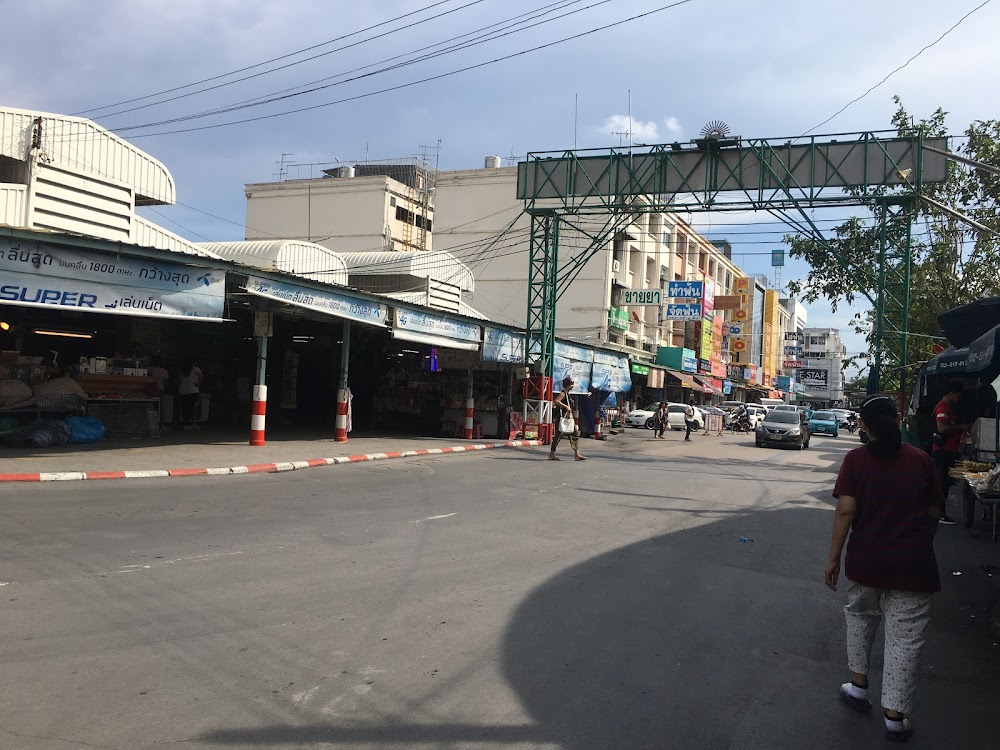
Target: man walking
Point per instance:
(689, 420)
(947, 441)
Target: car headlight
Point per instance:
(794, 431)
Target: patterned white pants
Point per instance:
(905, 616)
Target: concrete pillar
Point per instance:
(258, 408)
(340, 423)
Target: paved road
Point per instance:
(485, 601)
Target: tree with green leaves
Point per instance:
(952, 262)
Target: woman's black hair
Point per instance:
(880, 415)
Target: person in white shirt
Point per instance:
(188, 389)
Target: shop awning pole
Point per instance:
(340, 422)
(258, 409)
(470, 410)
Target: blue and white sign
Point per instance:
(685, 289)
(689, 364)
(727, 387)
(502, 346)
(574, 361)
(793, 351)
(436, 330)
(684, 311)
(611, 373)
(736, 329)
(36, 274)
(331, 303)
(777, 258)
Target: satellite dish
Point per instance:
(715, 130)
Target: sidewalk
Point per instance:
(177, 454)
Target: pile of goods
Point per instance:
(983, 477)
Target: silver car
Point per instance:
(785, 428)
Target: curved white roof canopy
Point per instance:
(84, 146)
(305, 259)
(439, 266)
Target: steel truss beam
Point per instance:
(778, 176)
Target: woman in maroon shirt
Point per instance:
(889, 499)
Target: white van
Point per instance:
(770, 403)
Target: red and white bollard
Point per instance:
(340, 422)
(258, 411)
(597, 430)
(470, 410)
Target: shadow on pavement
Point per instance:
(696, 640)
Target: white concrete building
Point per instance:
(366, 207)
(479, 209)
(822, 377)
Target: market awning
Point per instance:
(435, 330)
(963, 324)
(686, 380)
(55, 277)
(330, 302)
(951, 361)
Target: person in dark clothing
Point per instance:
(947, 441)
(889, 499)
(660, 420)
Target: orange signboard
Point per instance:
(729, 301)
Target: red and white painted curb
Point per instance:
(67, 476)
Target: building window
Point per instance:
(392, 201)
(666, 238)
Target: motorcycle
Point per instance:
(852, 423)
(741, 424)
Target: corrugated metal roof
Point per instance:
(148, 234)
(420, 298)
(84, 146)
(305, 259)
(421, 264)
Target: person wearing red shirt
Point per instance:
(947, 446)
(889, 500)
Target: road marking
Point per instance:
(435, 518)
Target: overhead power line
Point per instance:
(437, 77)
(272, 60)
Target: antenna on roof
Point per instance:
(280, 164)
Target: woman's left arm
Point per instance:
(843, 517)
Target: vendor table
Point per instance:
(127, 418)
(971, 497)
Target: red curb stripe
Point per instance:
(317, 462)
(261, 468)
(104, 475)
(447, 450)
(359, 457)
(187, 472)
(394, 454)
(20, 477)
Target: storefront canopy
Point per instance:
(962, 325)
(436, 330)
(951, 361)
(321, 301)
(707, 386)
(686, 380)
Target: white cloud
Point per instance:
(674, 129)
(618, 126)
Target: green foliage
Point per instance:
(953, 263)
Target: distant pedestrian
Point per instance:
(188, 390)
(889, 499)
(562, 408)
(690, 420)
(947, 441)
(660, 419)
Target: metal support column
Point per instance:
(892, 302)
(258, 409)
(543, 261)
(340, 422)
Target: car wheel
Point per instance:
(649, 423)
(836, 434)
(759, 444)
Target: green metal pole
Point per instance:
(875, 382)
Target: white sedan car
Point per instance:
(675, 417)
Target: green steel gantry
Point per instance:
(784, 177)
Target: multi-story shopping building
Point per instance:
(479, 215)
(822, 376)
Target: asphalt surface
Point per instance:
(491, 600)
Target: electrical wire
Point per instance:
(284, 94)
(266, 62)
(896, 70)
(428, 79)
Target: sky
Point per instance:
(766, 68)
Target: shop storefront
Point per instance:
(87, 332)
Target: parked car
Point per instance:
(642, 417)
(784, 428)
(675, 417)
(756, 415)
(824, 422)
(842, 416)
(728, 406)
(785, 407)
